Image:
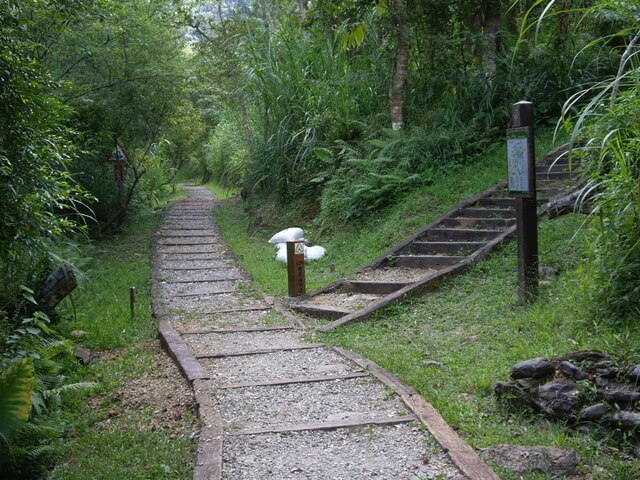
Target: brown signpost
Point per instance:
(295, 268)
(522, 185)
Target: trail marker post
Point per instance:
(295, 268)
(522, 185)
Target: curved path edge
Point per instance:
(208, 464)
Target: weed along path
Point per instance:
(275, 406)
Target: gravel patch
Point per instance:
(229, 320)
(172, 289)
(394, 275)
(181, 240)
(189, 305)
(195, 264)
(212, 249)
(242, 341)
(334, 400)
(278, 365)
(177, 225)
(400, 452)
(198, 275)
(352, 301)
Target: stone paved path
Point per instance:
(275, 406)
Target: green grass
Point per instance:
(476, 327)
(473, 324)
(350, 247)
(104, 440)
(221, 193)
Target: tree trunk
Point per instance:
(398, 89)
(302, 7)
(490, 27)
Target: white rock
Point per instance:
(287, 235)
(314, 253)
(281, 255)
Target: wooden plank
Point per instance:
(461, 234)
(206, 280)
(461, 454)
(292, 380)
(180, 352)
(377, 288)
(334, 425)
(196, 269)
(204, 331)
(258, 351)
(460, 248)
(475, 222)
(488, 212)
(183, 244)
(459, 451)
(236, 310)
(377, 371)
(496, 202)
(208, 465)
(323, 311)
(220, 292)
(179, 234)
(553, 175)
(423, 261)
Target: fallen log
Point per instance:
(579, 201)
(55, 287)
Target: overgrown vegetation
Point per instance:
(340, 116)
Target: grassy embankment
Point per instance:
(120, 430)
(473, 325)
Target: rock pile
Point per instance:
(585, 387)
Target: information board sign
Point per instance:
(519, 170)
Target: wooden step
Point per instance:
(321, 311)
(559, 166)
(467, 222)
(472, 212)
(547, 193)
(558, 175)
(451, 248)
(496, 202)
(377, 288)
(424, 261)
(460, 234)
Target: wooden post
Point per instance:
(295, 268)
(132, 301)
(522, 184)
(55, 287)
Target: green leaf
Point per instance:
(16, 385)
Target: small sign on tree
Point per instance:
(119, 159)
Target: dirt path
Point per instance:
(275, 406)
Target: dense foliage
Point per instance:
(305, 91)
(75, 76)
(336, 109)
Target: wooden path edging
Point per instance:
(208, 465)
(209, 459)
(461, 454)
(430, 281)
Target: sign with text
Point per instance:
(295, 268)
(519, 169)
(119, 159)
